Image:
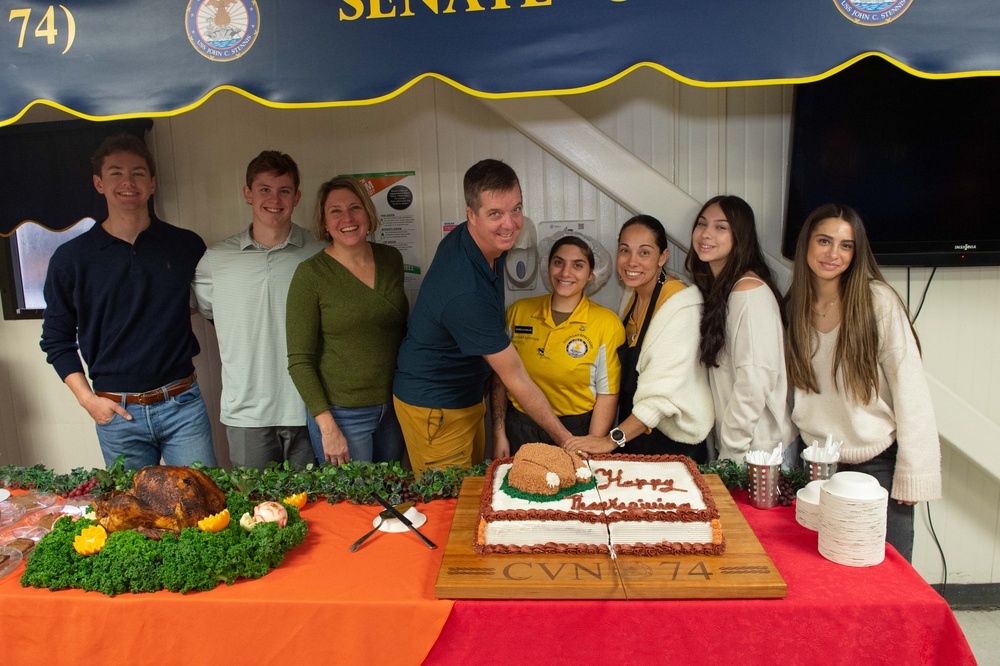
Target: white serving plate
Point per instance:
(395, 525)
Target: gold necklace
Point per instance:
(828, 308)
(637, 318)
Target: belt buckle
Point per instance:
(149, 397)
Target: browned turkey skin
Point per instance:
(162, 498)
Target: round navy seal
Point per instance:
(577, 348)
(873, 12)
(222, 30)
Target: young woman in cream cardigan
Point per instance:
(665, 405)
(855, 367)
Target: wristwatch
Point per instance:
(618, 437)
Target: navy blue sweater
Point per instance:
(127, 305)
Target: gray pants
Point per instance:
(255, 447)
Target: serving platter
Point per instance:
(744, 571)
(9, 559)
(32, 501)
(10, 513)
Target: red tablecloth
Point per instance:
(377, 606)
(833, 614)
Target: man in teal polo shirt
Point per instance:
(456, 337)
(241, 284)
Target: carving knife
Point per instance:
(611, 545)
(403, 519)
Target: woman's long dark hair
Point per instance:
(745, 257)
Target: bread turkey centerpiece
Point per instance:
(162, 499)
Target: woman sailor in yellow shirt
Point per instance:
(569, 347)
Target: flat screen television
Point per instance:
(919, 160)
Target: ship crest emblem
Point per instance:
(222, 30)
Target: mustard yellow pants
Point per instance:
(438, 438)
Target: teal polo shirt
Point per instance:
(459, 317)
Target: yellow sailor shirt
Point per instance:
(573, 362)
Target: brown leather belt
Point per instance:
(151, 397)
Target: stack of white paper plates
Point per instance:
(852, 512)
(807, 505)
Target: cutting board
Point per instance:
(743, 572)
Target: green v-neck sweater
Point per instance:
(343, 336)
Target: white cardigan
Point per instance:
(673, 394)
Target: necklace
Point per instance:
(828, 308)
(636, 319)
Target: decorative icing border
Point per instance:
(709, 514)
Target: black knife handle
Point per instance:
(403, 519)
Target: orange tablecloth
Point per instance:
(323, 605)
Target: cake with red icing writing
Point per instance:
(637, 505)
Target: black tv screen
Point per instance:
(918, 159)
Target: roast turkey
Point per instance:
(161, 499)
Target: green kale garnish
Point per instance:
(192, 560)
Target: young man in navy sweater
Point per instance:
(119, 296)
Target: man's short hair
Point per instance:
(272, 161)
(122, 143)
(492, 175)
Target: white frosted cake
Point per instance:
(640, 505)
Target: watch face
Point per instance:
(618, 436)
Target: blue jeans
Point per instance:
(372, 433)
(176, 429)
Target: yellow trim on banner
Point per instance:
(509, 95)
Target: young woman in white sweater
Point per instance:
(742, 336)
(855, 366)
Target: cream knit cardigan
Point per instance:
(673, 394)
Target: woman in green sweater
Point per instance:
(346, 317)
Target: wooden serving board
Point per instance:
(743, 572)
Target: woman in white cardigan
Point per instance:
(855, 367)
(742, 336)
(665, 405)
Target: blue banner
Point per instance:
(115, 58)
